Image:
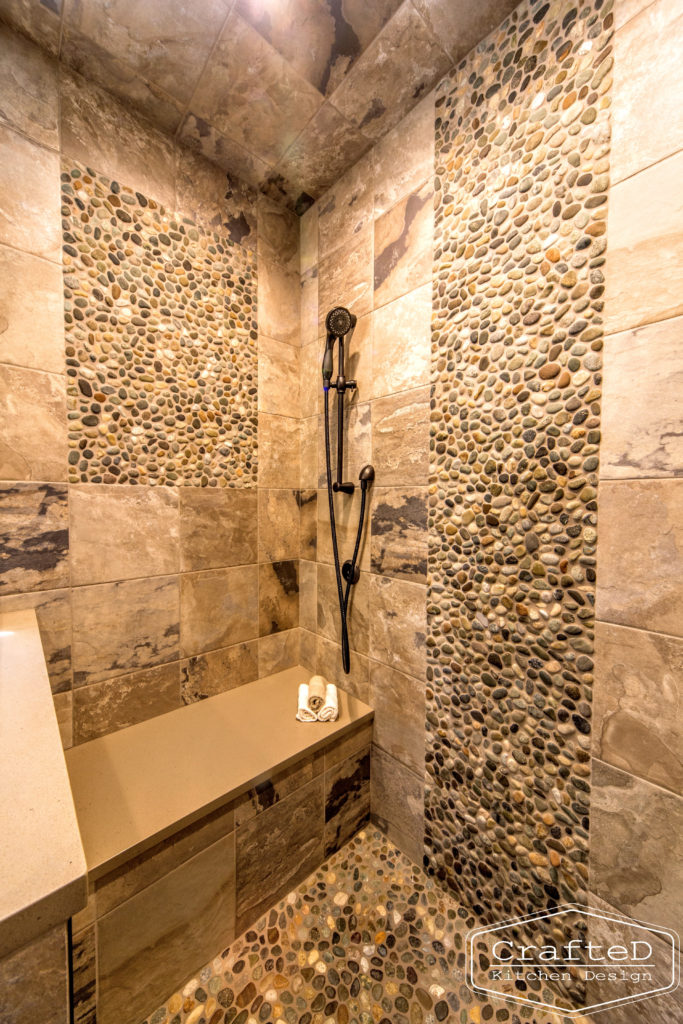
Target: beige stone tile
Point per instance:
(96, 128)
(29, 184)
(627, 9)
(309, 429)
(345, 277)
(214, 672)
(398, 701)
(308, 595)
(357, 440)
(404, 159)
(644, 275)
(214, 199)
(403, 246)
(357, 366)
(628, 814)
(96, 64)
(33, 981)
(198, 135)
(278, 234)
(647, 118)
(278, 596)
(308, 239)
(309, 307)
(401, 343)
(29, 98)
(397, 803)
(400, 438)
(115, 888)
(310, 377)
(308, 523)
(122, 532)
(278, 524)
(167, 45)
(278, 448)
(278, 377)
(459, 27)
(327, 146)
(399, 539)
(347, 799)
(329, 619)
(395, 70)
(217, 527)
(641, 433)
(278, 652)
(31, 310)
(33, 414)
(347, 513)
(53, 610)
(123, 627)
(64, 713)
(125, 700)
(352, 743)
(34, 537)
(279, 785)
(307, 649)
(244, 75)
(278, 302)
(398, 624)
(637, 703)
(277, 849)
(39, 22)
(640, 554)
(328, 663)
(346, 209)
(164, 933)
(218, 608)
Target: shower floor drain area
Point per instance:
(367, 939)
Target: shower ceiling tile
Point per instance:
(398, 68)
(166, 43)
(461, 24)
(250, 93)
(200, 136)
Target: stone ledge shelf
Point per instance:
(136, 787)
(42, 863)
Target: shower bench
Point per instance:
(195, 823)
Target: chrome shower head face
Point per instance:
(339, 321)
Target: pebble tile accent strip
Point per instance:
(161, 342)
(366, 939)
(522, 161)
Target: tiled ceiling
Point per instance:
(284, 93)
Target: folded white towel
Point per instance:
(303, 712)
(316, 693)
(329, 712)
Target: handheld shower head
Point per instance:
(339, 321)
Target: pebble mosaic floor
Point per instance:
(366, 939)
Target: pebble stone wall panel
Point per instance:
(161, 339)
(522, 147)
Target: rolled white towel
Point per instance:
(329, 712)
(316, 694)
(303, 712)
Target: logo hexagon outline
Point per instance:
(667, 933)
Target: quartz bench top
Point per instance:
(42, 864)
(138, 786)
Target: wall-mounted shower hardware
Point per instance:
(338, 323)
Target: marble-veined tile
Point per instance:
(399, 544)
(308, 239)
(33, 414)
(346, 208)
(278, 377)
(279, 448)
(278, 524)
(329, 617)
(198, 135)
(278, 233)
(218, 527)
(398, 624)
(34, 535)
(347, 799)
(345, 277)
(218, 608)
(308, 523)
(278, 596)
(400, 168)
(403, 246)
(122, 627)
(28, 87)
(41, 22)
(29, 183)
(308, 595)
(400, 430)
(278, 651)
(459, 27)
(279, 314)
(215, 199)
(43, 964)
(206, 675)
(53, 611)
(397, 803)
(401, 343)
(117, 703)
(31, 304)
(398, 702)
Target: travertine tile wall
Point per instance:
(637, 779)
(367, 244)
(162, 592)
